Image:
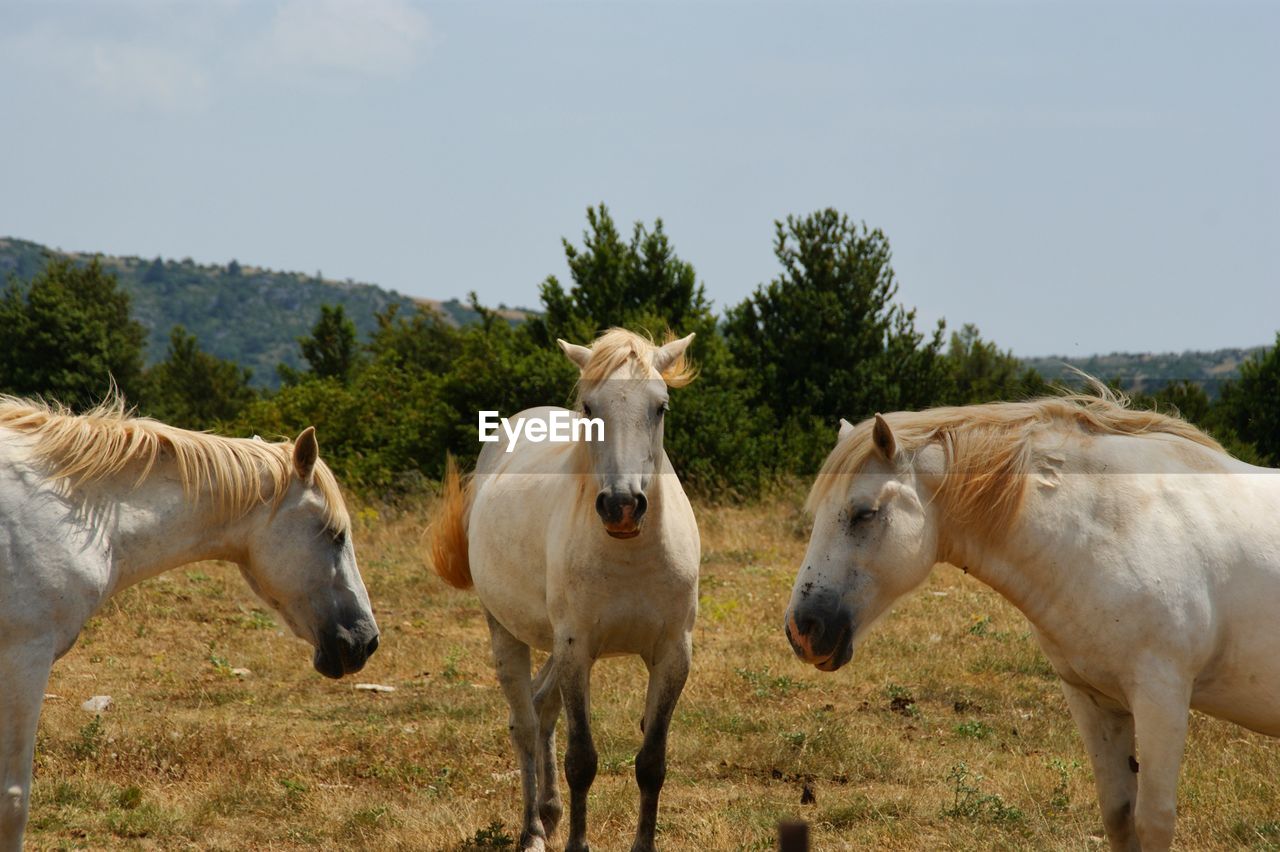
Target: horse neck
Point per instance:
(1024, 562)
(156, 525)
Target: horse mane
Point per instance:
(988, 448)
(102, 442)
(619, 347)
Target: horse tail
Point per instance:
(447, 547)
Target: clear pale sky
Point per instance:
(1073, 178)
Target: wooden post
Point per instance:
(793, 836)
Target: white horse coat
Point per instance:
(1146, 559)
(585, 551)
(90, 505)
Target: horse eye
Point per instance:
(340, 538)
(586, 410)
(863, 514)
(662, 408)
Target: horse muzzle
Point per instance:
(622, 514)
(344, 649)
(821, 636)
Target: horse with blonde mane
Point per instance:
(585, 550)
(1146, 559)
(94, 503)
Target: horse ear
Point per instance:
(666, 355)
(579, 355)
(883, 438)
(846, 429)
(306, 451)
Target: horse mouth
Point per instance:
(335, 658)
(840, 654)
(328, 665)
(826, 664)
(623, 530)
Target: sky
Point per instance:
(1073, 178)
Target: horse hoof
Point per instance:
(532, 843)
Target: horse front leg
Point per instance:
(1160, 709)
(24, 674)
(546, 706)
(511, 659)
(1108, 740)
(573, 665)
(667, 676)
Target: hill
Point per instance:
(242, 313)
(1147, 371)
(254, 316)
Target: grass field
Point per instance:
(948, 730)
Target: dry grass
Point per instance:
(947, 731)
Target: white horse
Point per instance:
(1146, 559)
(92, 504)
(553, 576)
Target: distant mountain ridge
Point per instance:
(254, 316)
(1148, 371)
(247, 314)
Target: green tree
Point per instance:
(193, 389)
(331, 349)
(69, 335)
(980, 372)
(155, 272)
(637, 284)
(825, 338)
(713, 437)
(1188, 400)
(421, 341)
(1250, 406)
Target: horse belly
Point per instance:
(1242, 684)
(506, 539)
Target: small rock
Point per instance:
(97, 704)
(241, 672)
(49, 696)
(374, 687)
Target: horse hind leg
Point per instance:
(511, 659)
(667, 677)
(24, 674)
(546, 706)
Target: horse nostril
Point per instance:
(371, 646)
(600, 507)
(809, 627)
(642, 503)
